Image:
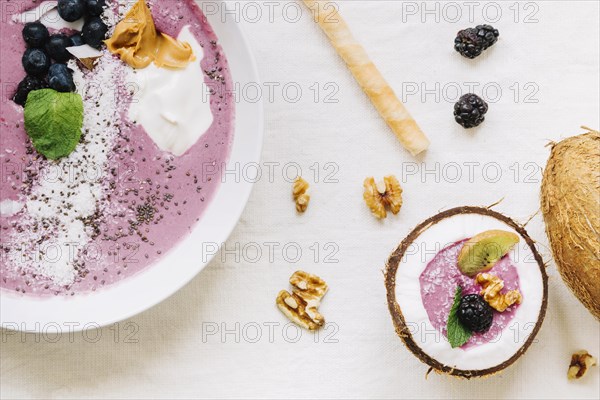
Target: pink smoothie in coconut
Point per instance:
(440, 279)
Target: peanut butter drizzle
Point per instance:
(138, 43)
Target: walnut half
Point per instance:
(300, 196)
(301, 306)
(580, 363)
(380, 195)
(491, 287)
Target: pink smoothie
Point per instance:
(151, 199)
(440, 279)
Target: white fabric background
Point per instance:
(172, 354)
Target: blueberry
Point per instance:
(28, 84)
(95, 7)
(76, 40)
(60, 78)
(94, 32)
(35, 62)
(57, 48)
(35, 34)
(71, 10)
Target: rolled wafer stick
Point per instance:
(368, 76)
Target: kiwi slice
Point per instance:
(485, 249)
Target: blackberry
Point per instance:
(470, 110)
(28, 84)
(471, 42)
(489, 35)
(475, 314)
(468, 43)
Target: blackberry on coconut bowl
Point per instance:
(467, 291)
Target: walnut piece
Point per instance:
(309, 287)
(386, 193)
(301, 306)
(580, 362)
(300, 196)
(491, 287)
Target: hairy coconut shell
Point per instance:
(571, 208)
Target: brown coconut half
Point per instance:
(571, 207)
(401, 326)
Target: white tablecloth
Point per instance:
(222, 337)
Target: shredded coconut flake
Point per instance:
(10, 207)
(69, 192)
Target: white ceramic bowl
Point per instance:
(157, 282)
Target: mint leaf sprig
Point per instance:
(458, 334)
(53, 121)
